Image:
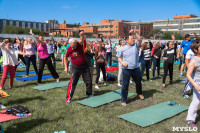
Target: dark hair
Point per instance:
(187, 35)
(195, 45)
(157, 46)
(145, 46)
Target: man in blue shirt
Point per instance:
(128, 57)
(186, 46)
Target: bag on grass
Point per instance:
(18, 109)
(111, 77)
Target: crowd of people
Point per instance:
(81, 57)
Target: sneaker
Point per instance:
(106, 84)
(150, 69)
(131, 81)
(92, 95)
(57, 80)
(159, 76)
(181, 75)
(68, 102)
(1, 88)
(96, 87)
(186, 96)
(119, 85)
(149, 80)
(154, 77)
(191, 124)
(38, 84)
(123, 104)
(2, 106)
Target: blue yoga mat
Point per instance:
(34, 78)
(24, 73)
(176, 63)
(114, 64)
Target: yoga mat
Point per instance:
(153, 114)
(34, 78)
(53, 85)
(23, 73)
(114, 64)
(3, 94)
(21, 66)
(103, 99)
(161, 64)
(176, 63)
(6, 117)
(112, 69)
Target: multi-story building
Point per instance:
(45, 27)
(183, 24)
(107, 28)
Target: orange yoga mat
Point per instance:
(3, 94)
(6, 117)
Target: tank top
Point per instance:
(196, 72)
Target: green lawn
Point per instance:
(50, 112)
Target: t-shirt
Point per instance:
(10, 57)
(50, 48)
(63, 48)
(146, 54)
(169, 53)
(77, 55)
(190, 54)
(108, 48)
(129, 55)
(43, 53)
(17, 47)
(29, 49)
(186, 45)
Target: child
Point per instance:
(168, 56)
(10, 60)
(146, 59)
(193, 75)
(63, 48)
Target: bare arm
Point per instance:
(192, 66)
(139, 40)
(187, 62)
(82, 37)
(31, 32)
(1, 45)
(65, 63)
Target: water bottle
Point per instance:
(22, 115)
(174, 103)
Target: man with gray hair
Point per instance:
(79, 67)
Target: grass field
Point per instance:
(50, 112)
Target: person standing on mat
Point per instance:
(186, 46)
(169, 56)
(29, 49)
(193, 75)
(44, 59)
(108, 47)
(128, 57)
(79, 67)
(51, 48)
(10, 60)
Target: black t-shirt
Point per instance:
(169, 53)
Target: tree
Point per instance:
(64, 22)
(154, 31)
(10, 29)
(167, 35)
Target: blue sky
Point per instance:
(93, 11)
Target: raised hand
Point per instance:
(81, 33)
(173, 37)
(31, 32)
(131, 31)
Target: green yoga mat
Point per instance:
(103, 99)
(153, 114)
(53, 85)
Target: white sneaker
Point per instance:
(106, 84)
(2, 106)
(119, 85)
(57, 80)
(131, 81)
(0, 88)
(96, 87)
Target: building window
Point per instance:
(116, 30)
(116, 26)
(137, 27)
(141, 27)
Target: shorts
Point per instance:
(184, 55)
(62, 56)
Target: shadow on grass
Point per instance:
(23, 100)
(28, 125)
(146, 93)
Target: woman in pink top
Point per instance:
(44, 59)
(29, 49)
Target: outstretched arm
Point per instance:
(31, 32)
(82, 37)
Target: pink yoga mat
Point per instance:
(6, 117)
(112, 69)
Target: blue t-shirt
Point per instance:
(129, 55)
(186, 45)
(68, 45)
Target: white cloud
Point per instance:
(65, 6)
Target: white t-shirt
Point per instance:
(108, 48)
(189, 54)
(9, 57)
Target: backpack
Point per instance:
(18, 109)
(111, 77)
